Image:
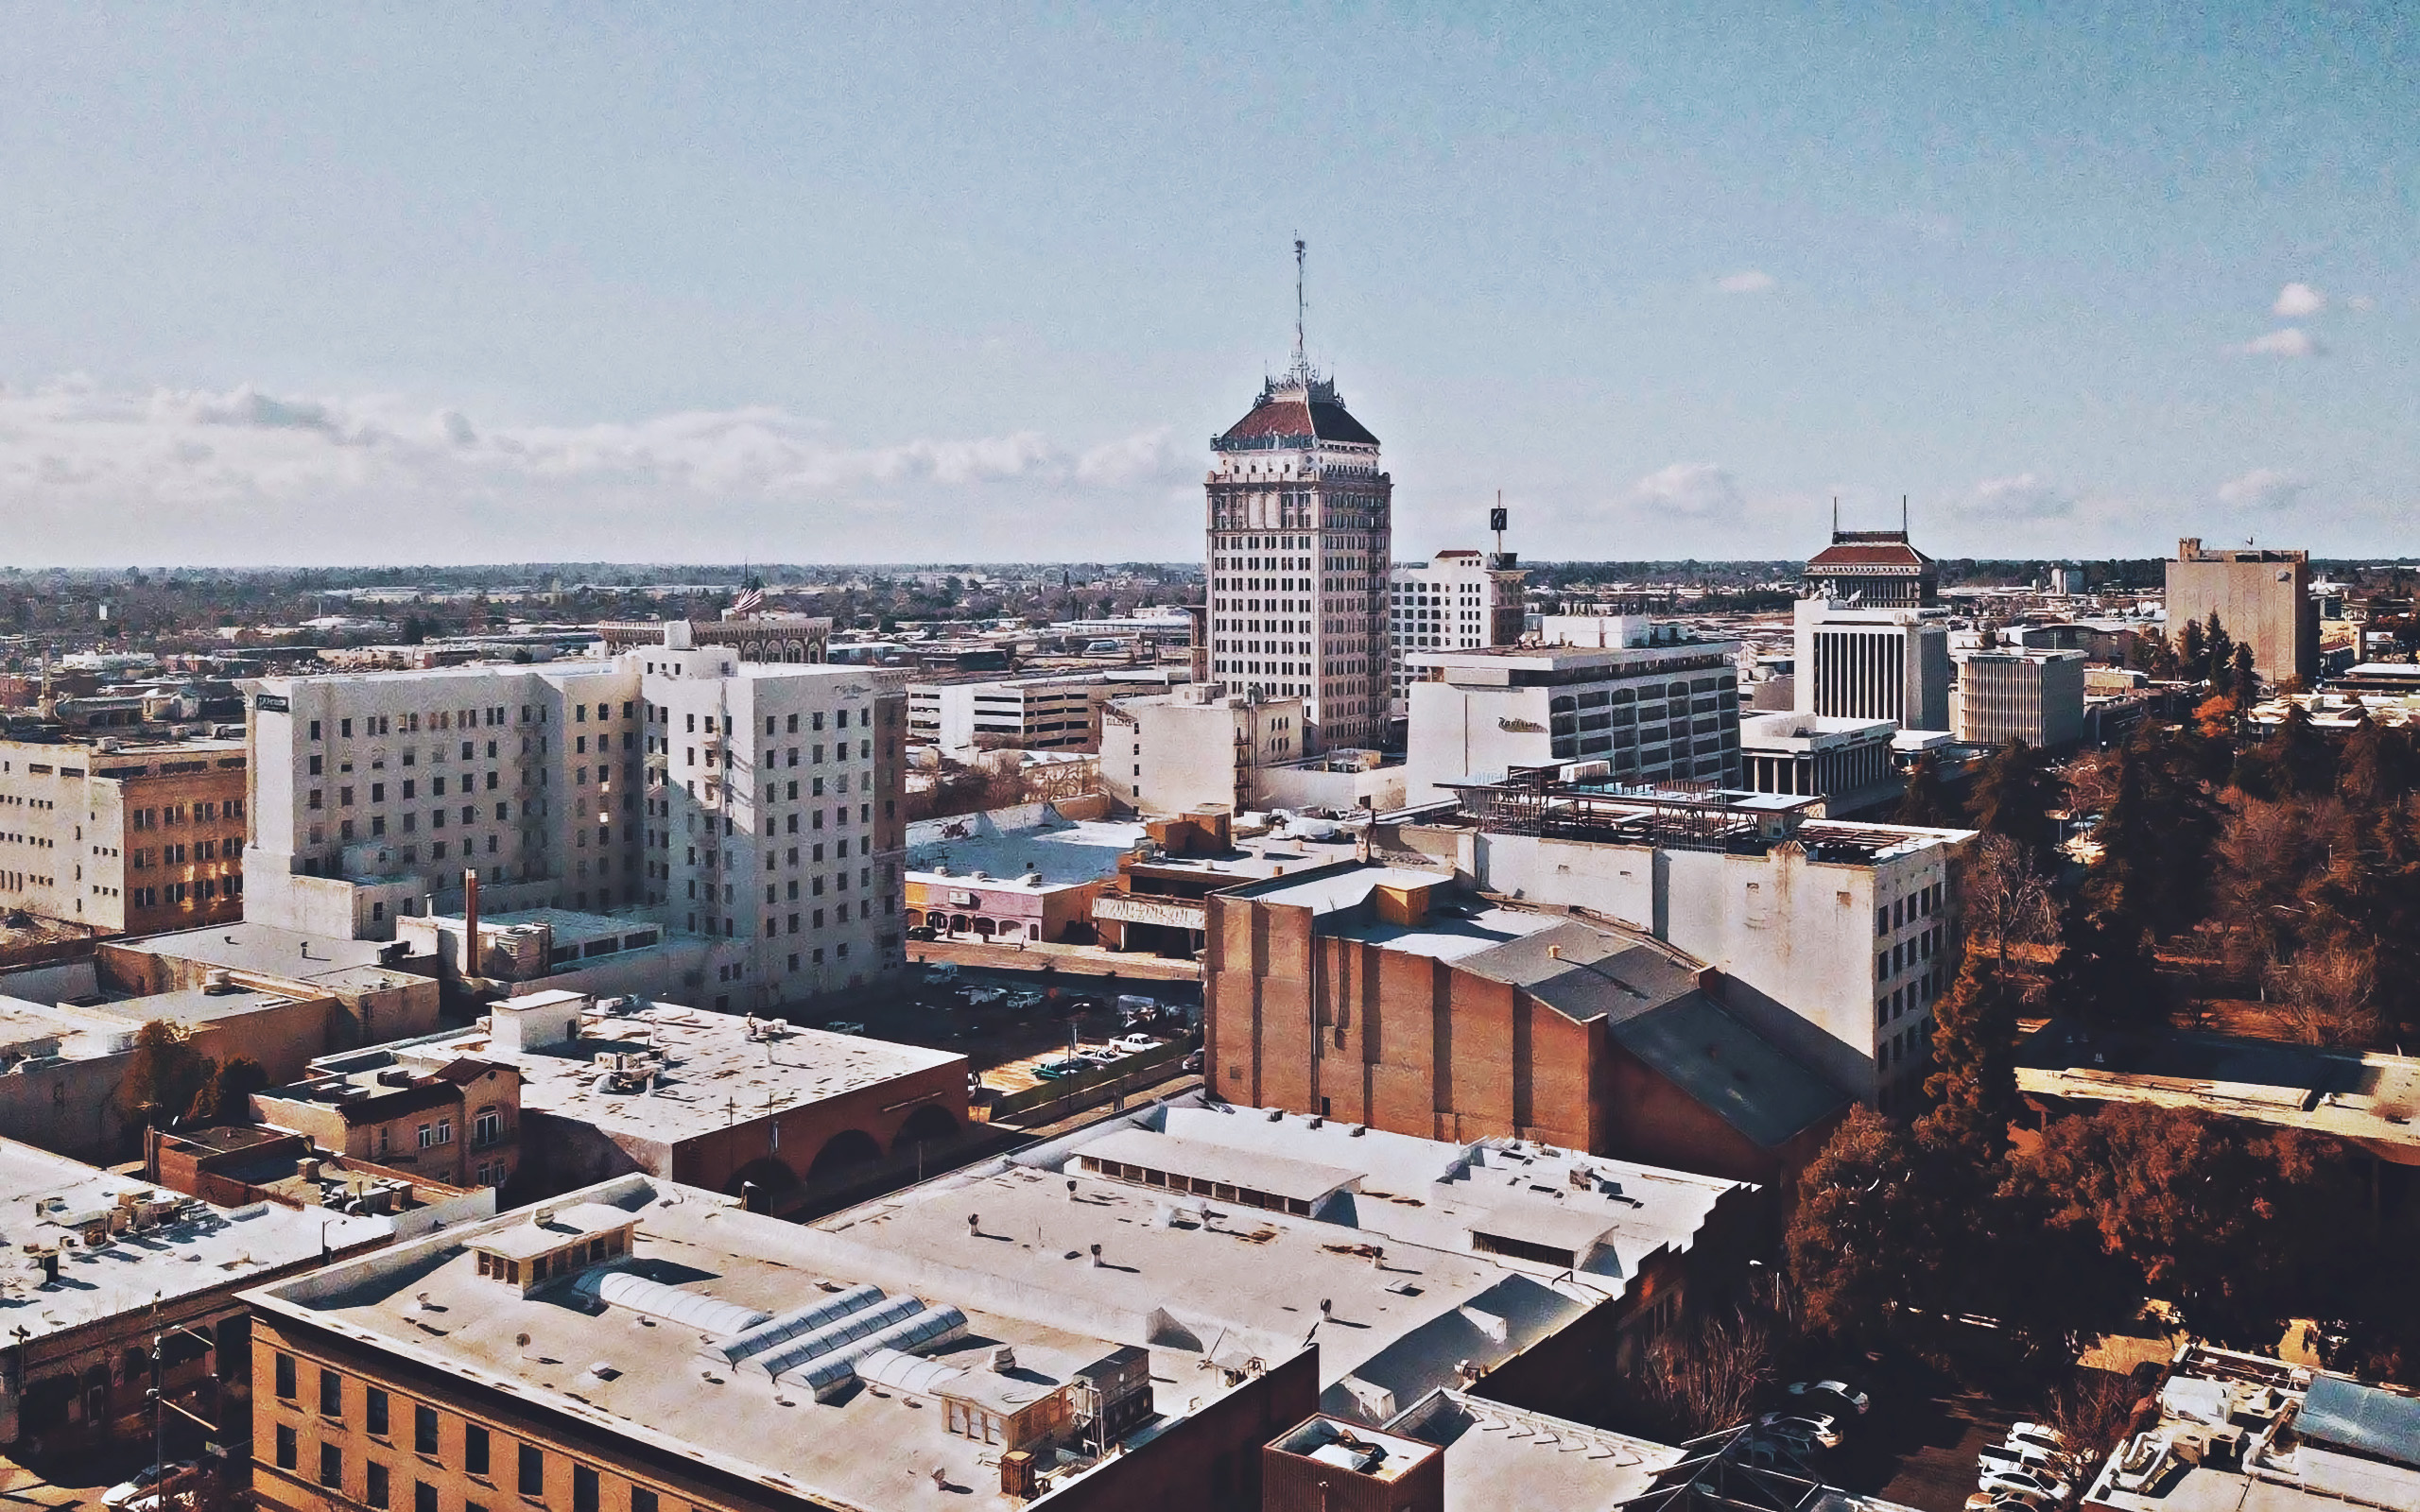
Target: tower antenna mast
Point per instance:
(1301, 360)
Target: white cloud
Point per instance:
(2297, 299)
(2360, 302)
(2263, 488)
(1747, 280)
(89, 474)
(2293, 341)
(2022, 497)
(1698, 491)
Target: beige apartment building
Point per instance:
(2262, 598)
(125, 837)
(1200, 746)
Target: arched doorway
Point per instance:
(765, 1183)
(842, 1153)
(928, 1125)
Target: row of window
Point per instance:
(1922, 903)
(175, 813)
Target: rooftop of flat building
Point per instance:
(1501, 1456)
(2372, 1097)
(1565, 802)
(181, 1247)
(697, 1070)
(699, 1272)
(269, 950)
(1009, 844)
(1610, 1215)
(2245, 1431)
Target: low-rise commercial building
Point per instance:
(459, 1124)
(123, 836)
(644, 1345)
(1847, 763)
(2236, 1430)
(101, 1264)
(1023, 874)
(1047, 711)
(233, 1164)
(1392, 997)
(715, 1100)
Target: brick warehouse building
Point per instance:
(1391, 997)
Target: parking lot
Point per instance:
(1030, 1024)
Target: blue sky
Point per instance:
(880, 283)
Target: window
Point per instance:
(424, 1497)
(330, 1393)
(373, 1489)
(475, 1448)
(285, 1388)
(331, 1466)
(288, 1450)
(373, 1410)
(583, 1488)
(533, 1471)
(643, 1500)
(424, 1430)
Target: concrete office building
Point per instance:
(632, 785)
(1847, 763)
(2262, 598)
(1202, 745)
(1393, 997)
(1044, 713)
(1657, 709)
(2035, 697)
(1833, 939)
(375, 792)
(800, 855)
(1459, 601)
(123, 836)
(1300, 535)
(1859, 663)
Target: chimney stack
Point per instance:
(470, 923)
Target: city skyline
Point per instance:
(584, 286)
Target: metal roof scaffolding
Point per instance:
(1722, 1474)
(1569, 803)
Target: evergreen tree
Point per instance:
(2298, 756)
(2218, 648)
(2192, 652)
(1854, 1240)
(1927, 800)
(2014, 796)
(2374, 767)
(2247, 680)
(1972, 1085)
(2107, 972)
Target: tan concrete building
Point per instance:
(2262, 598)
(123, 836)
(1204, 745)
(2035, 697)
(459, 1124)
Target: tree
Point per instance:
(1927, 801)
(2245, 683)
(2326, 994)
(2219, 647)
(2298, 757)
(2014, 796)
(2374, 765)
(1708, 1379)
(164, 1076)
(2192, 652)
(1852, 1239)
(2105, 971)
(1972, 1085)
(228, 1096)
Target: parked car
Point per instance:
(939, 971)
(2021, 1478)
(124, 1492)
(1815, 1428)
(1060, 1069)
(1821, 1393)
(1025, 1001)
(2006, 1502)
(984, 996)
(845, 1026)
(2020, 1452)
(1101, 1055)
(923, 931)
(2040, 1435)
(1135, 1043)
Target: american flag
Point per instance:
(754, 599)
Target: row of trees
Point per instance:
(169, 1083)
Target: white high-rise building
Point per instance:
(1855, 663)
(757, 802)
(1461, 601)
(1300, 529)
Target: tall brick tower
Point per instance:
(1299, 543)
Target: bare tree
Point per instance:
(1707, 1376)
(2327, 995)
(2093, 1409)
(2005, 897)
